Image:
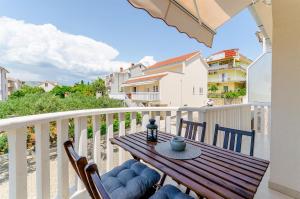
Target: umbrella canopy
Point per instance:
(199, 19)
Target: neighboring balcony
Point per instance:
(226, 79)
(145, 96)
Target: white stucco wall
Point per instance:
(259, 79)
(47, 88)
(176, 89)
(285, 132)
(196, 75)
(170, 88)
(117, 80)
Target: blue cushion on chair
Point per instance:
(170, 192)
(131, 180)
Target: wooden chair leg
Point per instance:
(187, 191)
(162, 180)
(136, 158)
(200, 197)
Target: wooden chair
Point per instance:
(233, 138)
(78, 163)
(94, 180)
(192, 129)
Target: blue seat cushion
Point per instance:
(131, 180)
(170, 192)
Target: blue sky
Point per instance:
(112, 34)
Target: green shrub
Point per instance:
(3, 143)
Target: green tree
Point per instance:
(213, 88)
(241, 91)
(61, 91)
(25, 90)
(85, 89)
(231, 95)
(99, 86)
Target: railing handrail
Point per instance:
(12, 123)
(207, 108)
(137, 93)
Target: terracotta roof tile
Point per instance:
(173, 60)
(145, 78)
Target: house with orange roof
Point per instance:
(179, 81)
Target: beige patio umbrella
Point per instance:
(199, 19)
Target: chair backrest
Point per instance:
(94, 180)
(192, 129)
(78, 163)
(233, 138)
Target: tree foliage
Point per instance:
(99, 86)
(213, 88)
(25, 90)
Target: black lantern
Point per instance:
(152, 131)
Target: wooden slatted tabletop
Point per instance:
(216, 173)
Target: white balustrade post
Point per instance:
(17, 163)
(168, 122)
(201, 119)
(96, 139)
(145, 120)
(157, 119)
(62, 127)
(190, 116)
(80, 142)
(42, 160)
(256, 117)
(178, 118)
(109, 134)
(133, 122)
(121, 133)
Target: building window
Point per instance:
(46, 84)
(225, 89)
(193, 90)
(200, 91)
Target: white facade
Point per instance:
(136, 70)
(181, 83)
(13, 85)
(48, 86)
(114, 81)
(3, 84)
(259, 79)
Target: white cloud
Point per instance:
(147, 61)
(37, 47)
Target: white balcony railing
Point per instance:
(227, 79)
(145, 96)
(118, 96)
(234, 116)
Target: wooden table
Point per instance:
(216, 173)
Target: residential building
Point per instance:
(136, 70)
(13, 85)
(114, 81)
(3, 84)
(47, 85)
(227, 70)
(179, 81)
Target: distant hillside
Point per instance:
(32, 83)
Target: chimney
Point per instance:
(121, 69)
